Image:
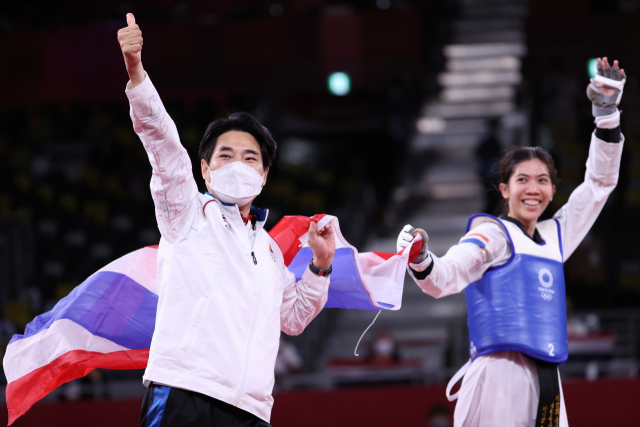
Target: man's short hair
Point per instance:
(242, 122)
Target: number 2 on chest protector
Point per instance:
(551, 350)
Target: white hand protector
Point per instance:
(406, 236)
(611, 78)
(236, 183)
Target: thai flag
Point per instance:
(108, 321)
(366, 281)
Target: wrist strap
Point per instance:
(615, 84)
(608, 135)
(324, 272)
(421, 275)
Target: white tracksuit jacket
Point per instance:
(219, 315)
(502, 388)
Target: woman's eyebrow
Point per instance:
(527, 176)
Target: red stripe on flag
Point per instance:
(413, 253)
(287, 232)
(27, 390)
(384, 255)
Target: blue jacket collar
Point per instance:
(223, 203)
(261, 214)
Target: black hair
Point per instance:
(516, 155)
(243, 122)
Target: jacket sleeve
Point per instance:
(586, 202)
(173, 188)
(302, 300)
(484, 246)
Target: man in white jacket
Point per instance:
(224, 290)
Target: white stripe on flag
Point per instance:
(365, 281)
(140, 266)
(28, 354)
(385, 278)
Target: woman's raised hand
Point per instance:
(605, 90)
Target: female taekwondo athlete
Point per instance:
(511, 269)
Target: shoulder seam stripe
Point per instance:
(474, 241)
(479, 235)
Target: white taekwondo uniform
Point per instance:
(502, 388)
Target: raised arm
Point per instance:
(130, 39)
(173, 187)
(302, 300)
(578, 215)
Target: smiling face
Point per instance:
(235, 146)
(529, 192)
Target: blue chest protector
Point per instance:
(520, 305)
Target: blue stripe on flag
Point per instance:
(474, 241)
(345, 289)
(109, 305)
(160, 395)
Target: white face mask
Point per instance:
(236, 183)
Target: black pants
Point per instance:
(173, 407)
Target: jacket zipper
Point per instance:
(253, 255)
(253, 326)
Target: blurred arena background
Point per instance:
(428, 93)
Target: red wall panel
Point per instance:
(589, 404)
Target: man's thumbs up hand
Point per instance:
(130, 39)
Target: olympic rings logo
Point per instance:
(546, 296)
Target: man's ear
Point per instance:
(264, 177)
(205, 170)
(504, 189)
